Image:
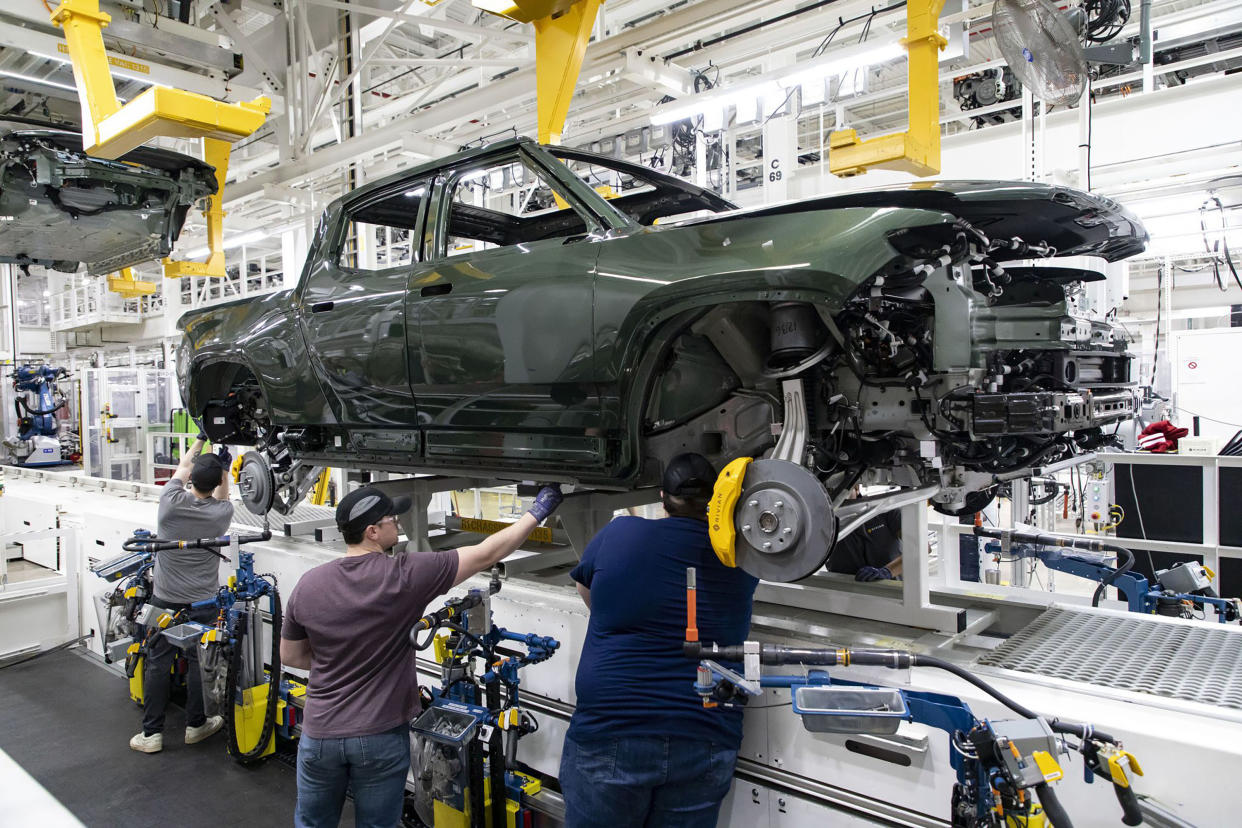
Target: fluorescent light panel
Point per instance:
(42, 81)
(773, 90)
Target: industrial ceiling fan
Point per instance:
(1050, 50)
(1042, 48)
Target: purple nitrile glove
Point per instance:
(546, 501)
(873, 573)
(226, 457)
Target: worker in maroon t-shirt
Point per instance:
(347, 621)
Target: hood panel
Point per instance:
(1074, 222)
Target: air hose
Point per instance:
(1079, 730)
(1052, 806)
(273, 691)
(1115, 574)
(20, 403)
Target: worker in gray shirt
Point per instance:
(183, 577)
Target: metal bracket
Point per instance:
(750, 664)
(854, 513)
(746, 685)
(304, 476)
(1118, 54)
(792, 443)
(896, 742)
(231, 27)
(907, 603)
(583, 514)
(420, 490)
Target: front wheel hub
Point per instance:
(256, 483)
(784, 521)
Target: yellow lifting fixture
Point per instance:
(917, 150)
(128, 286)
(562, 30)
(110, 130)
(319, 493)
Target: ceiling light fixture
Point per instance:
(42, 81)
(774, 89)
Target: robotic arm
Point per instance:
(37, 441)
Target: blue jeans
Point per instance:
(644, 782)
(373, 767)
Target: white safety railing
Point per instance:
(90, 304)
(253, 275)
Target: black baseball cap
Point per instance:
(367, 506)
(207, 473)
(689, 475)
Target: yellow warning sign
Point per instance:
(540, 534)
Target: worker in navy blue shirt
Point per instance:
(641, 748)
(871, 553)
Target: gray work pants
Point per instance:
(157, 675)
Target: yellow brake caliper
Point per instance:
(727, 490)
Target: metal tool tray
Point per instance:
(185, 635)
(449, 723)
(873, 710)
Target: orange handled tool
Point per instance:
(692, 631)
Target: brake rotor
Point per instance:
(256, 484)
(784, 521)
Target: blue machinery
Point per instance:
(1001, 765)
(37, 429)
(1179, 589)
(238, 623)
(468, 712)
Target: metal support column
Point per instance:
(780, 157)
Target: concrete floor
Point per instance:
(66, 720)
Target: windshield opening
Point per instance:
(646, 196)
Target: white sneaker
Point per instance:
(147, 744)
(198, 734)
